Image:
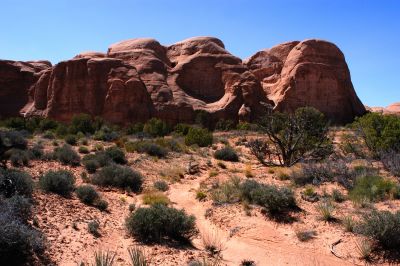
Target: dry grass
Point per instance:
(213, 240)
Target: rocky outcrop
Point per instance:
(15, 80)
(394, 108)
(309, 73)
(140, 78)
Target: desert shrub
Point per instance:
(200, 136)
(373, 188)
(274, 199)
(48, 135)
(101, 204)
(18, 206)
(325, 210)
(82, 123)
(87, 194)
(380, 132)
(226, 154)
(134, 128)
(18, 241)
(91, 165)
(295, 137)
(17, 123)
(106, 134)
(182, 129)
(15, 182)
(201, 195)
(305, 235)
(119, 176)
(170, 144)
(348, 223)
(116, 154)
(71, 140)
(156, 128)
(224, 125)
(161, 185)
(10, 140)
(19, 157)
(66, 155)
(47, 124)
(382, 226)
(351, 143)
(204, 119)
(153, 198)
(391, 161)
(60, 182)
(93, 228)
(61, 130)
(160, 221)
(227, 192)
(148, 147)
(100, 157)
(337, 196)
(36, 152)
(83, 149)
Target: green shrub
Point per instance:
(83, 149)
(153, 198)
(119, 176)
(380, 132)
(19, 157)
(227, 192)
(199, 136)
(93, 228)
(382, 226)
(373, 188)
(337, 196)
(182, 129)
(15, 182)
(82, 123)
(134, 128)
(161, 185)
(66, 155)
(156, 128)
(36, 152)
(87, 194)
(71, 140)
(116, 154)
(100, 157)
(148, 147)
(91, 165)
(60, 182)
(160, 221)
(18, 206)
(225, 125)
(226, 154)
(101, 204)
(274, 199)
(106, 134)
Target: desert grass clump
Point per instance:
(60, 182)
(325, 210)
(364, 249)
(201, 195)
(138, 257)
(212, 240)
(248, 172)
(153, 198)
(66, 155)
(338, 196)
(104, 258)
(158, 222)
(119, 176)
(247, 262)
(226, 192)
(381, 226)
(305, 235)
(348, 223)
(226, 154)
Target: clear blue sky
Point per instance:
(367, 31)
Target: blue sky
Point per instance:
(367, 31)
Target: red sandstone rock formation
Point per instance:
(140, 78)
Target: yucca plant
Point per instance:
(103, 258)
(138, 257)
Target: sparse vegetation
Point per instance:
(87, 194)
(118, 176)
(199, 136)
(373, 188)
(161, 185)
(153, 198)
(138, 257)
(66, 155)
(148, 147)
(226, 154)
(305, 235)
(71, 140)
(60, 182)
(160, 221)
(93, 228)
(325, 210)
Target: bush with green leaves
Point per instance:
(67, 155)
(91, 165)
(158, 222)
(106, 134)
(182, 129)
(83, 150)
(10, 140)
(36, 151)
(60, 182)
(15, 182)
(225, 125)
(374, 188)
(226, 154)
(116, 155)
(161, 185)
(71, 140)
(119, 176)
(380, 132)
(292, 137)
(148, 147)
(19, 157)
(383, 227)
(134, 128)
(156, 128)
(199, 136)
(82, 123)
(87, 194)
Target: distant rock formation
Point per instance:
(140, 78)
(394, 108)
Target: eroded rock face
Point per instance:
(140, 78)
(309, 73)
